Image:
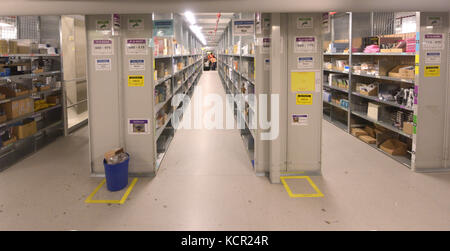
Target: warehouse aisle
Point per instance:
(206, 183)
(206, 151)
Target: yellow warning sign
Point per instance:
(304, 99)
(135, 80)
(303, 81)
(432, 71)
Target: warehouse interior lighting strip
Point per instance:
(197, 30)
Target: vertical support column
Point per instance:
(120, 90)
(103, 91)
(277, 87)
(431, 86)
(137, 93)
(262, 86)
(304, 94)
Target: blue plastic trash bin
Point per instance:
(116, 175)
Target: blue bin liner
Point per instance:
(116, 175)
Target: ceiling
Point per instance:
(208, 21)
(67, 7)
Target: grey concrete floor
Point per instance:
(206, 183)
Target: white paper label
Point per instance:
(102, 47)
(103, 64)
(103, 25)
(432, 57)
(138, 126)
(243, 27)
(434, 21)
(136, 65)
(299, 119)
(304, 22)
(433, 41)
(136, 46)
(306, 44)
(305, 62)
(265, 48)
(135, 23)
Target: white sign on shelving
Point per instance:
(305, 44)
(102, 47)
(136, 46)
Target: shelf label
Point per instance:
(136, 46)
(163, 28)
(103, 64)
(434, 21)
(102, 47)
(304, 22)
(138, 126)
(304, 99)
(305, 44)
(135, 24)
(432, 57)
(305, 62)
(433, 41)
(243, 27)
(103, 25)
(299, 119)
(136, 65)
(135, 80)
(432, 71)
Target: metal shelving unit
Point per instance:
(234, 85)
(345, 28)
(50, 120)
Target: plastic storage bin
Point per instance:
(116, 175)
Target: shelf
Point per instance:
(12, 121)
(248, 79)
(409, 81)
(161, 129)
(30, 75)
(2, 101)
(335, 88)
(383, 124)
(401, 159)
(248, 56)
(385, 54)
(162, 80)
(382, 101)
(335, 71)
(336, 123)
(335, 54)
(32, 136)
(337, 106)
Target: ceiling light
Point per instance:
(190, 17)
(5, 25)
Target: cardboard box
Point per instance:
(394, 147)
(8, 142)
(113, 152)
(10, 93)
(2, 96)
(370, 131)
(18, 108)
(357, 132)
(368, 139)
(3, 118)
(26, 130)
(53, 99)
(373, 111)
(408, 127)
(401, 71)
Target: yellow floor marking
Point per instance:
(292, 172)
(122, 201)
(292, 195)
